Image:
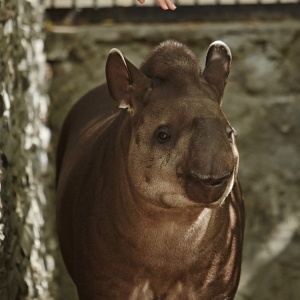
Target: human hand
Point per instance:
(164, 4)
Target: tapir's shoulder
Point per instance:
(89, 112)
(94, 104)
(93, 107)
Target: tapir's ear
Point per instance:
(217, 66)
(126, 83)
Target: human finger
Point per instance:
(166, 4)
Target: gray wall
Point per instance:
(263, 104)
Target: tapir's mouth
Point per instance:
(209, 181)
(207, 190)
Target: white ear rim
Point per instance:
(122, 104)
(222, 44)
(115, 50)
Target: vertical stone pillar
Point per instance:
(26, 269)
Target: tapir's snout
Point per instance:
(209, 164)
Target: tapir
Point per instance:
(148, 200)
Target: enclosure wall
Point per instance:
(262, 103)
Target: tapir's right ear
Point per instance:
(217, 66)
(126, 83)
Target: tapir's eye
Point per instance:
(163, 135)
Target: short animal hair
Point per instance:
(171, 60)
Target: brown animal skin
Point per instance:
(148, 201)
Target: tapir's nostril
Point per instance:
(210, 180)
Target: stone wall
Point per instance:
(26, 262)
(262, 102)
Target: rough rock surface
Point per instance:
(262, 100)
(26, 263)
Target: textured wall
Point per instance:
(26, 264)
(262, 102)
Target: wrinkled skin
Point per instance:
(148, 201)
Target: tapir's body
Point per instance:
(136, 219)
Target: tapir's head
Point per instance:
(182, 150)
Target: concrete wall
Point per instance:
(263, 104)
(26, 235)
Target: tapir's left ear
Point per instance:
(217, 66)
(126, 83)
